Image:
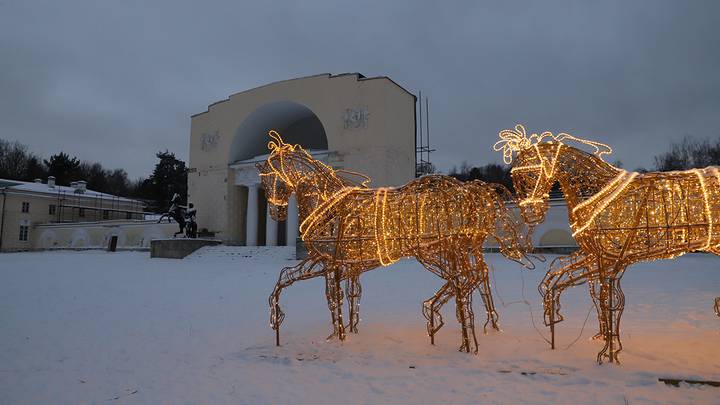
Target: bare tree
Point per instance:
(688, 154)
(13, 160)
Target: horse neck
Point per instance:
(505, 227)
(582, 175)
(315, 187)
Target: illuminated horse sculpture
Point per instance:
(617, 217)
(349, 229)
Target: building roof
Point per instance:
(43, 188)
(358, 76)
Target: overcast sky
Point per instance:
(115, 81)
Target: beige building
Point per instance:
(349, 121)
(25, 206)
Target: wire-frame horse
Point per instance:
(352, 229)
(617, 217)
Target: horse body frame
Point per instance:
(618, 218)
(347, 231)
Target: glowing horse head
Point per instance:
(281, 173)
(536, 166)
(291, 169)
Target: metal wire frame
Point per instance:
(349, 229)
(618, 218)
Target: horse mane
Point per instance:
(278, 146)
(516, 140)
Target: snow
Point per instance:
(90, 327)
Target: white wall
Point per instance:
(131, 234)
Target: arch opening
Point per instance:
(295, 122)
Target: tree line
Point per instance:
(170, 173)
(687, 154)
(168, 177)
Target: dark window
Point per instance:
(51, 209)
(23, 232)
(81, 212)
(25, 206)
(128, 215)
(106, 214)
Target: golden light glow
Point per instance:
(579, 226)
(516, 140)
(617, 217)
(349, 228)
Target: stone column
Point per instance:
(292, 221)
(271, 228)
(251, 223)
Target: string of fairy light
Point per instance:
(349, 228)
(617, 217)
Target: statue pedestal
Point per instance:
(178, 248)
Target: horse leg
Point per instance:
(486, 295)
(353, 292)
(431, 310)
(334, 295)
(465, 315)
(565, 271)
(306, 269)
(594, 286)
(431, 306)
(612, 300)
(716, 251)
(181, 224)
(560, 269)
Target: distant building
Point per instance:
(24, 206)
(348, 121)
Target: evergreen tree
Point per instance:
(64, 168)
(168, 177)
(490, 173)
(35, 169)
(95, 175)
(117, 182)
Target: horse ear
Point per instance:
(276, 142)
(276, 136)
(511, 140)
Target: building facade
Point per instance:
(348, 121)
(24, 206)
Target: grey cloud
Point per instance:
(117, 81)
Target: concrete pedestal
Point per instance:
(178, 248)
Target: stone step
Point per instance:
(178, 248)
(243, 252)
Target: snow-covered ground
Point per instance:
(93, 327)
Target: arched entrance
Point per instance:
(297, 124)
